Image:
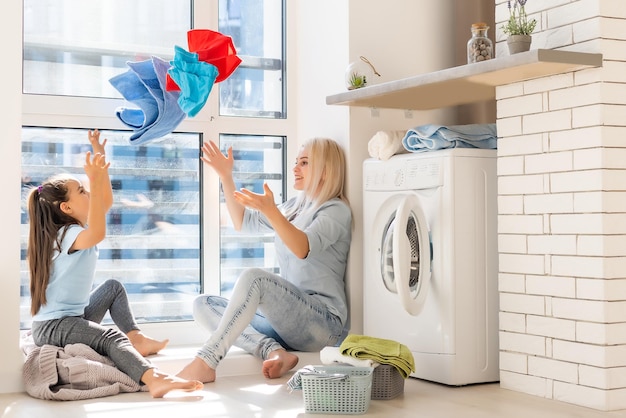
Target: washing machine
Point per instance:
(431, 261)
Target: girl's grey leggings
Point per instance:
(86, 329)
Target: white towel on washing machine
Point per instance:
(332, 355)
(385, 144)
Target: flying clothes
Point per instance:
(194, 78)
(211, 58)
(214, 48)
(158, 111)
(164, 93)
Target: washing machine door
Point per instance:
(407, 246)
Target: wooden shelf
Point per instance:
(467, 83)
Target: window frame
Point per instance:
(90, 113)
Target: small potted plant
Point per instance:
(357, 81)
(519, 27)
(360, 74)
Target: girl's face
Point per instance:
(77, 206)
(301, 170)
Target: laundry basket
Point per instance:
(337, 390)
(387, 382)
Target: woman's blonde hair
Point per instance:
(327, 174)
(45, 220)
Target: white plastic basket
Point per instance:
(337, 390)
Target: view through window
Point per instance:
(258, 160)
(153, 241)
(155, 245)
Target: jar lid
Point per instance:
(479, 25)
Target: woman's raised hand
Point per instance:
(222, 164)
(261, 202)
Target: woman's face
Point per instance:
(301, 170)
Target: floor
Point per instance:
(254, 396)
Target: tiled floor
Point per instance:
(254, 396)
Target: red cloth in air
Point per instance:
(214, 48)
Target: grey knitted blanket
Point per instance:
(73, 372)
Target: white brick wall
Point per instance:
(562, 211)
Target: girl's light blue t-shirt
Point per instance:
(70, 280)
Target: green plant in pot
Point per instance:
(357, 81)
(519, 27)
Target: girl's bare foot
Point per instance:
(197, 369)
(144, 344)
(160, 383)
(278, 363)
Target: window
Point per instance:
(256, 89)
(258, 160)
(79, 45)
(153, 241)
(71, 50)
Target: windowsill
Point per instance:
(236, 363)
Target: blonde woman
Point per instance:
(304, 308)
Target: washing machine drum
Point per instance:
(387, 255)
(405, 256)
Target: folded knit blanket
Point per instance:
(435, 137)
(381, 351)
(73, 373)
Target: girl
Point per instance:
(305, 307)
(66, 224)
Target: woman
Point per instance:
(304, 308)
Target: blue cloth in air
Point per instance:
(158, 112)
(434, 137)
(194, 78)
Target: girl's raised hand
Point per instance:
(96, 167)
(94, 140)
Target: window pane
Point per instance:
(256, 88)
(79, 45)
(258, 160)
(153, 232)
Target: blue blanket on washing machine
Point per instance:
(434, 137)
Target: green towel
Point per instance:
(380, 350)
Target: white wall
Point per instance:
(321, 60)
(562, 212)
(401, 39)
(10, 131)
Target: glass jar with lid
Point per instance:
(479, 47)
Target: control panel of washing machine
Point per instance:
(403, 173)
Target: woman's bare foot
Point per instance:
(278, 363)
(144, 344)
(160, 383)
(197, 369)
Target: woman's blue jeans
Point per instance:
(265, 313)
